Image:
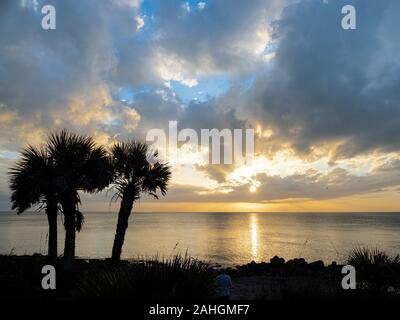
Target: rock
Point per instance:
(316, 265)
(296, 263)
(252, 267)
(334, 268)
(277, 262)
(264, 266)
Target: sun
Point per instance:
(253, 189)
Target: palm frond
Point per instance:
(80, 164)
(31, 179)
(136, 167)
(79, 220)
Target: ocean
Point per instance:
(228, 239)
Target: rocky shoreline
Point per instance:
(278, 265)
(292, 279)
(20, 276)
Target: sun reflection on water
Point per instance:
(254, 236)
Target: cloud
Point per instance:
(201, 5)
(223, 38)
(59, 79)
(129, 3)
(331, 88)
(310, 185)
(324, 95)
(71, 77)
(139, 22)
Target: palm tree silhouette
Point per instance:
(136, 171)
(79, 165)
(33, 182)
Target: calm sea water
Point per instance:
(224, 238)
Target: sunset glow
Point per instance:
(327, 143)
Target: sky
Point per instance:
(324, 102)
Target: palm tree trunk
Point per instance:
(52, 219)
(122, 225)
(70, 235)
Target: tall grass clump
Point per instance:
(375, 270)
(176, 278)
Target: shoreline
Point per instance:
(277, 279)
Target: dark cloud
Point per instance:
(159, 106)
(41, 68)
(328, 85)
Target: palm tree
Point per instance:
(134, 175)
(32, 182)
(80, 165)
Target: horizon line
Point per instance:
(271, 212)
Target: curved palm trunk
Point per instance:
(123, 217)
(51, 212)
(70, 235)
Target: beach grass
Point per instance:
(175, 278)
(178, 277)
(376, 270)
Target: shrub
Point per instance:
(375, 270)
(180, 277)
